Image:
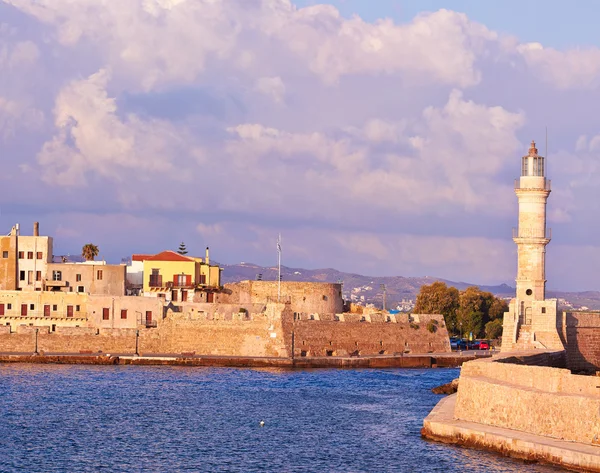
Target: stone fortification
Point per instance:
(530, 408)
(377, 334)
(305, 297)
(540, 400)
(580, 332)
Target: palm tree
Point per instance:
(89, 251)
(182, 249)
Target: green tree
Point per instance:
(182, 249)
(437, 298)
(497, 309)
(89, 251)
(493, 329)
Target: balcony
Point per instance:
(532, 233)
(546, 187)
(52, 283)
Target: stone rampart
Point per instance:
(305, 297)
(540, 400)
(370, 335)
(581, 337)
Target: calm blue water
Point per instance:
(171, 419)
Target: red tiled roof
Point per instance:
(140, 257)
(168, 256)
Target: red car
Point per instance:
(484, 345)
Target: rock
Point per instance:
(448, 388)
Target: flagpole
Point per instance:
(279, 268)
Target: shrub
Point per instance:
(432, 326)
(414, 325)
(243, 310)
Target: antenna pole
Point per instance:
(279, 268)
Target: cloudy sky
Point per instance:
(378, 137)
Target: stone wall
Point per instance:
(376, 334)
(540, 400)
(305, 297)
(580, 332)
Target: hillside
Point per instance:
(367, 289)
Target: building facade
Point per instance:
(24, 260)
(91, 277)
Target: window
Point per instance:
(80, 289)
(524, 166)
(180, 279)
(31, 306)
(78, 277)
(38, 275)
(40, 255)
(29, 277)
(155, 278)
(203, 279)
(69, 311)
(324, 298)
(54, 307)
(21, 255)
(77, 308)
(99, 275)
(46, 311)
(8, 306)
(123, 313)
(543, 310)
(30, 255)
(57, 275)
(23, 310)
(5, 254)
(21, 275)
(528, 292)
(105, 314)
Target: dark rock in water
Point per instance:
(448, 388)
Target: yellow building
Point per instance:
(178, 278)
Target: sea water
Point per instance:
(66, 418)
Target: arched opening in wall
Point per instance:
(303, 353)
(329, 353)
(382, 352)
(325, 298)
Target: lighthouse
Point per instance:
(532, 320)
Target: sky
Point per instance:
(378, 137)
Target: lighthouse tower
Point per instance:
(532, 320)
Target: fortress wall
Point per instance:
(581, 333)
(342, 338)
(539, 400)
(305, 297)
(254, 334)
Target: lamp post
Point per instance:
(137, 338)
(36, 341)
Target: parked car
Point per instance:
(484, 345)
(474, 345)
(454, 343)
(461, 345)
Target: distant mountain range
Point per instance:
(398, 288)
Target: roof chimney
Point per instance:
(36, 228)
(207, 260)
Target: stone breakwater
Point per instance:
(526, 406)
(416, 361)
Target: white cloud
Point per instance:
(92, 139)
(575, 68)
